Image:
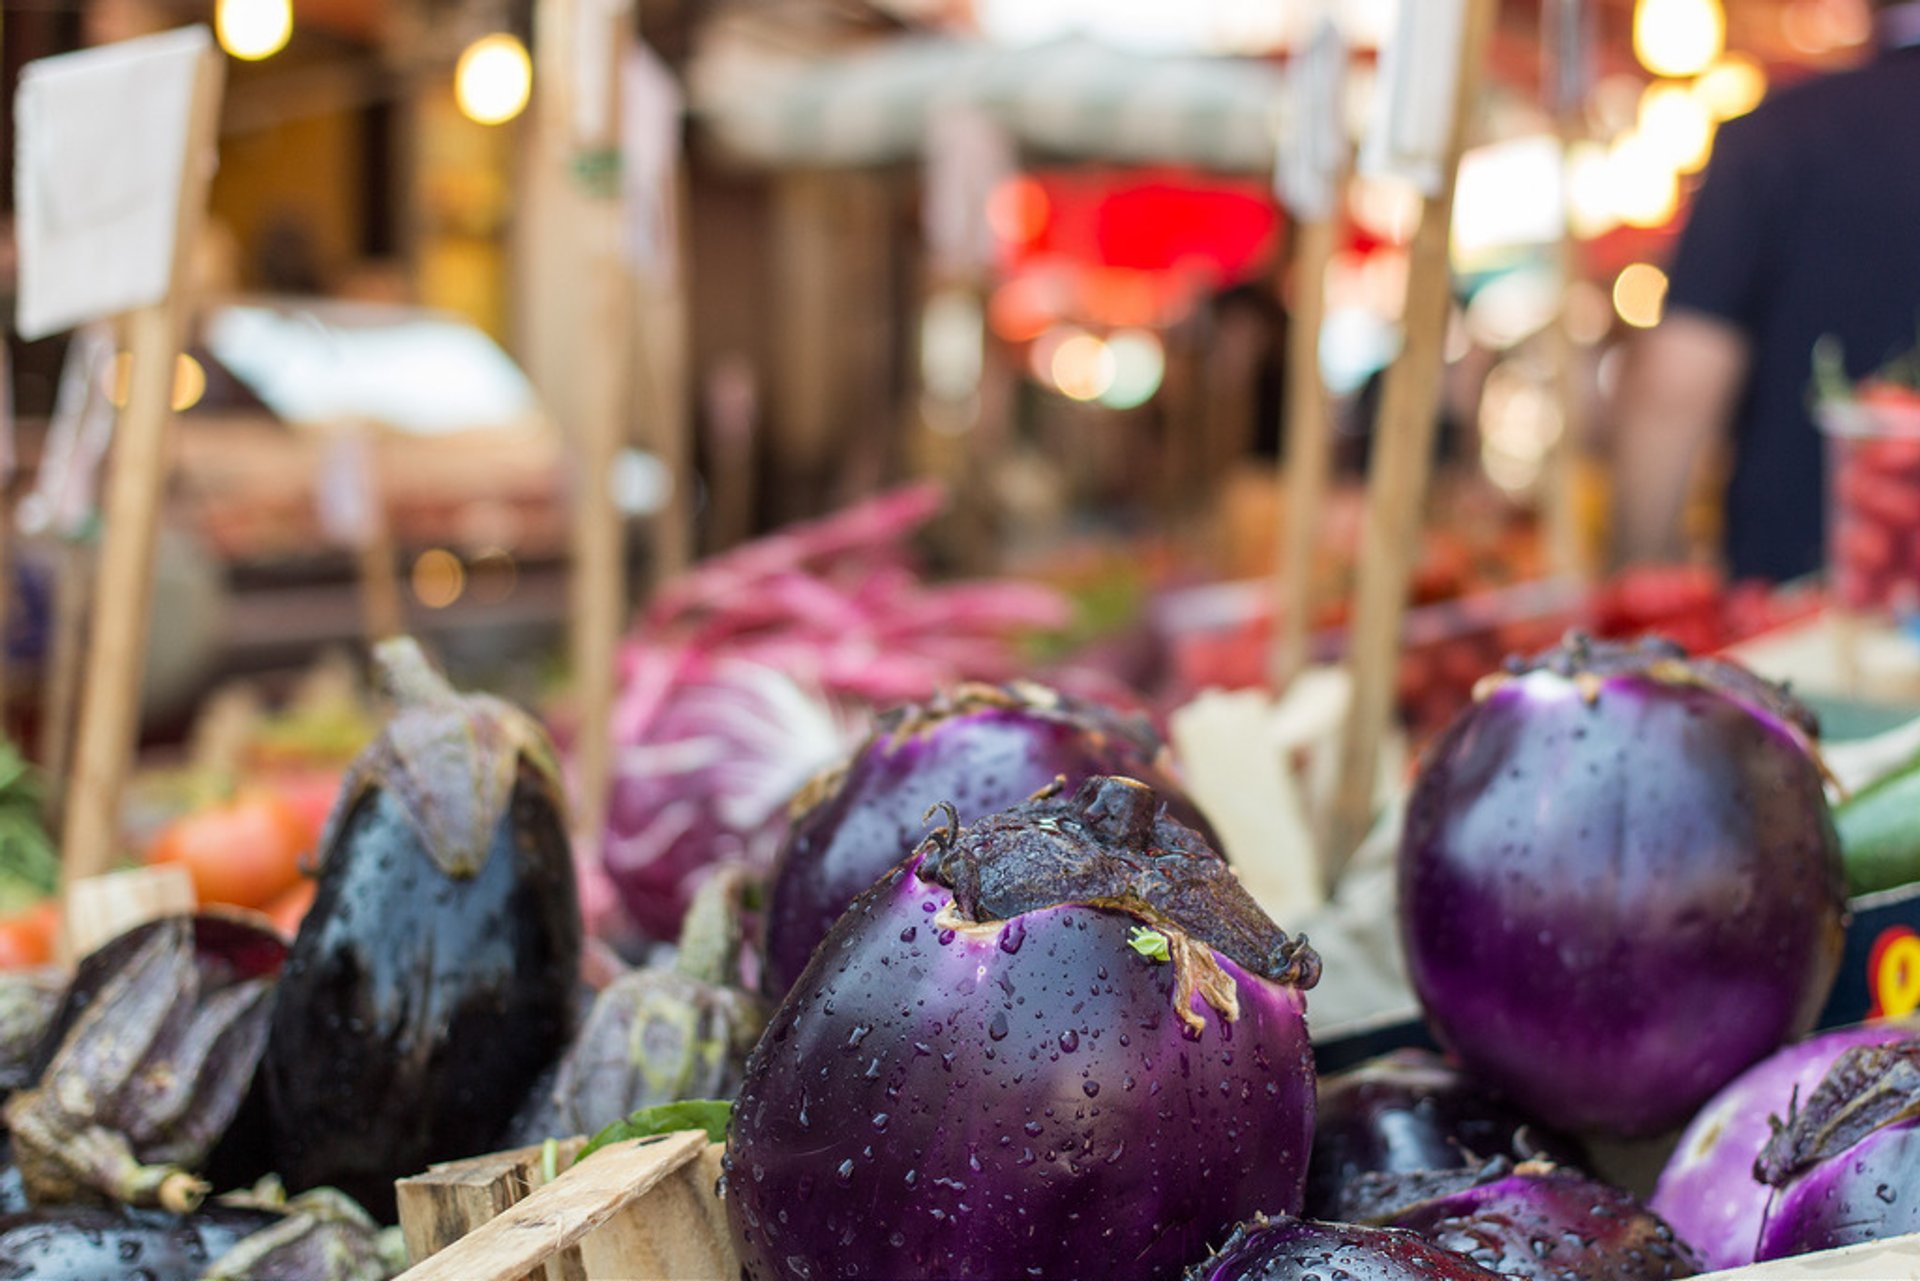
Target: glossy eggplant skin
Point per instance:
(96, 1243)
(1297, 1249)
(418, 1008)
(1409, 1112)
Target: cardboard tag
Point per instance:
(651, 109)
(100, 154)
(1413, 114)
(968, 155)
(1313, 148)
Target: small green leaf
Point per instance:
(1151, 944)
(549, 1160)
(710, 1115)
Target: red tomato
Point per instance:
(310, 794)
(27, 938)
(244, 852)
(287, 911)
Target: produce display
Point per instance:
(1059, 1041)
(432, 982)
(978, 748)
(1873, 438)
(1615, 848)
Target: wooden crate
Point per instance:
(646, 1211)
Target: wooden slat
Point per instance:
(563, 1213)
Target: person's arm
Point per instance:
(1678, 393)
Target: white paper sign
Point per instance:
(968, 155)
(651, 108)
(100, 153)
(1419, 79)
(66, 487)
(1314, 146)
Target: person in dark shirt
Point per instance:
(1808, 224)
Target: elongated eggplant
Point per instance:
(97, 1243)
(431, 982)
(29, 1002)
(156, 1048)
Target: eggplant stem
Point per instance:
(182, 1193)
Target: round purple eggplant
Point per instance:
(1539, 1223)
(979, 748)
(1409, 1112)
(1846, 1164)
(1708, 1190)
(1614, 848)
(432, 981)
(1061, 1042)
(1299, 1249)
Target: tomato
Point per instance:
(310, 794)
(27, 938)
(244, 852)
(287, 911)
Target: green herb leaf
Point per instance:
(1151, 944)
(710, 1115)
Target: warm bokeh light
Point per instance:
(1590, 194)
(253, 29)
(1678, 37)
(438, 578)
(1139, 365)
(1676, 124)
(1083, 367)
(494, 79)
(1640, 294)
(189, 382)
(1018, 211)
(1646, 190)
(1732, 86)
(1385, 208)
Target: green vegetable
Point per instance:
(710, 1115)
(1151, 944)
(1880, 832)
(29, 865)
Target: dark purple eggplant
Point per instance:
(320, 1235)
(1538, 1223)
(432, 981)
(662, 1034)
(1408, 1112)
(100, 1243)
(29, 1003)
(1299, 1249)
(979, 748)
(158, 1047)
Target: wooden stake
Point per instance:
(116, 654)
(1397, 480)
(72, 580)
(1306, 452)
(1560, 492)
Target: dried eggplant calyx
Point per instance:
(149, 1074)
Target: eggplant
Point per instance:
(155, 1051)
(29, 1004)
(1410, 1112)
(662, 1034)
(1298, 1249)
(318, 1236)
(99, 1243)
(432, 981)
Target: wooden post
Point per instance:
(72, 580)
(1306, 451)
(1402, 461)
(1560, 492)
(116, 653)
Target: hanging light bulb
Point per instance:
(253, 29)
(1678, 38)
(493, 79)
